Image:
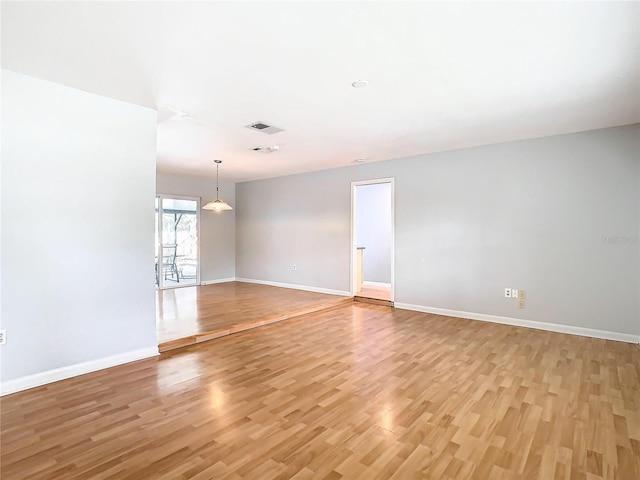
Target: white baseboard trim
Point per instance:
(376, 284)
(55, 375)
(329, 291)
(219, 280)
(516, 322)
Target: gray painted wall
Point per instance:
(295, 220)
(373, 230)
(556, 216)
(78, 176)
(217, 229)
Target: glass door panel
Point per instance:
(177, 242)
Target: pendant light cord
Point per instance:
(217, 181)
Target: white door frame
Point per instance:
(160, 197)
(353, 253)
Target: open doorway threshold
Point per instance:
(375, 295)
(373, 301)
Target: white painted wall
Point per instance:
(373, 230)
(534, 214)
(78, 184)
(217, 229)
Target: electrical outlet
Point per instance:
(522, 295)
(507, 293)
(514, 293)
(3, 337)
(295, 267)
(521, 303)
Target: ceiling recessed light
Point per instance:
(360, 84)
(360, 160)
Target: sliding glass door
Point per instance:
(176, 245)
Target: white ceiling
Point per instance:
(442, 76)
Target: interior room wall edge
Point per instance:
(57, 374)
(518, 322)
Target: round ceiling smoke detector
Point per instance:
(267, 149)
(360, 84)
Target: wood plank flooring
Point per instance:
(373, 301)
(186, 316)
(356, 392)
(376, 292)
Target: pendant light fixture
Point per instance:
(217, 204)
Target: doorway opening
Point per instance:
(176, 241)
(372, 234)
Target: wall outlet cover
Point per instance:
(507, 293)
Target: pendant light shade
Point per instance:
(217, 205)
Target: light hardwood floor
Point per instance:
(186, 316)
(375, 292)
(356, 392)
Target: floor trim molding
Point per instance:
(376, 284)
(62, 373)
(328, 291)
(219, 280)
(516, 322)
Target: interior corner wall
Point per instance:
(217, 229)
(555, 216)
(78, 184)
(373, 230)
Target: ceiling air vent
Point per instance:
(267, 149)
(264, 128)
